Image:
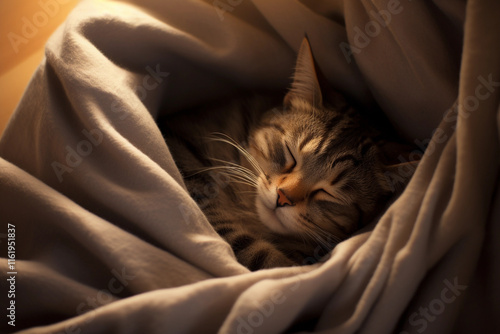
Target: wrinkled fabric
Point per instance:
(107, 239)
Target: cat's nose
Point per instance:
(282, 199)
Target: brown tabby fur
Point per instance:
(282, 185)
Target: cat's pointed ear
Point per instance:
(305, 81)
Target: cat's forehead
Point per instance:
(313, 162)
(307, 130)
(303, 118)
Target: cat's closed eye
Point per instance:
(291, 162)
(322, 194)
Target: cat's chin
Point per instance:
(269, 218)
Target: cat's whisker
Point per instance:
(318, 234)
(325, 236)
(311, 234)
(204, 170)
(232, 172)
(232, 142)
(239, 172)
(308, 234)
(243, 182)
(241, 179)
(236, 166)
(321, 242)
(255, 192)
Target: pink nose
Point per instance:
(282, 199)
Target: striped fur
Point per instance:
(283, 185)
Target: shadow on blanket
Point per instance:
(99, 234)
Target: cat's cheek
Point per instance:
(258, 154)
(265, 196)
(287, 216)
(268, 218)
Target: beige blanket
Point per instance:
(105, 239)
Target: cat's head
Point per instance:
(319, 172)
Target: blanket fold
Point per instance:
(107, 238)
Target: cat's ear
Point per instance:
(305, 81)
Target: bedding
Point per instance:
(104, 238)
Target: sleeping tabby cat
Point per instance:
(282, 185)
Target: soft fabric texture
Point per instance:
(107, 239)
